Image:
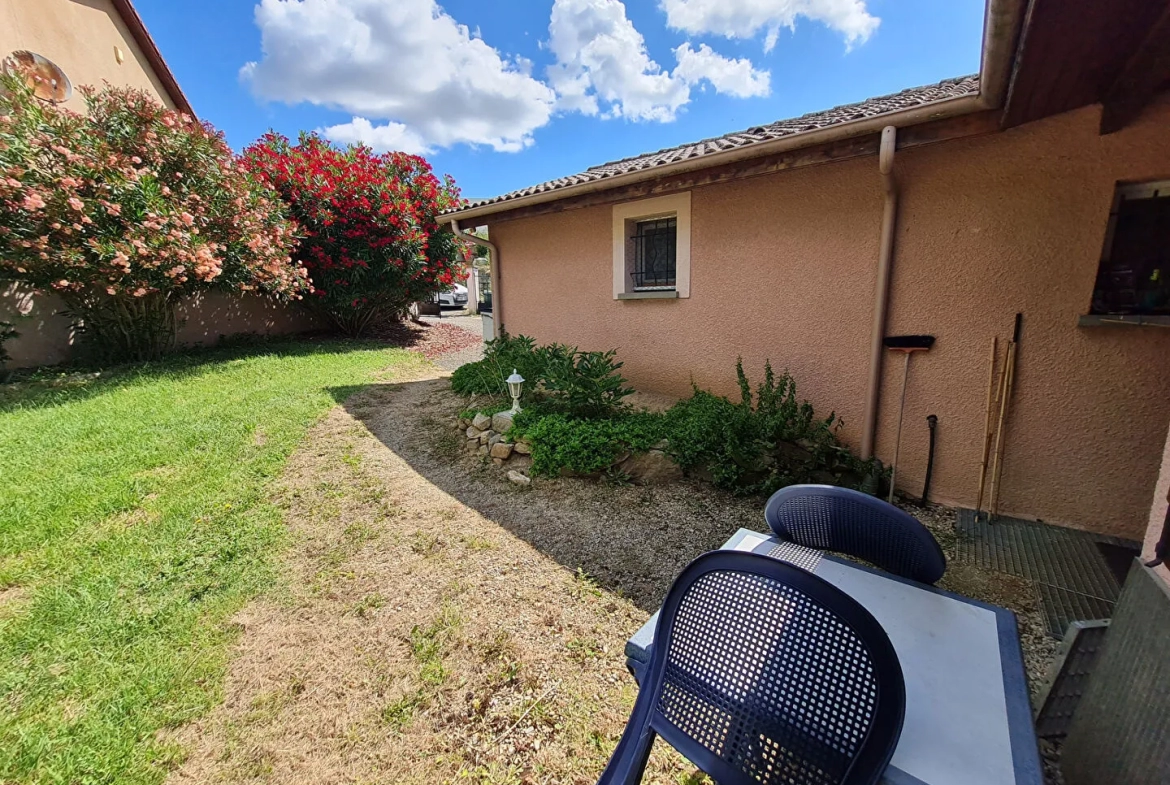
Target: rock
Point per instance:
(522, 448)
(501, 450)
(652, 468)
(518, 478)
(482, 421)
(465, 422)
(486, 437)
(702, 474)
(661, 444)
(525, 439)
(472, 445)
(473, 432)
(794, 452)
(498, 461)
(501, 422)
(495, 439)
(622, 457)
(483, 449)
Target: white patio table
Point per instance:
(968, 716)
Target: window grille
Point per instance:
(655, 245)
(1134, 276)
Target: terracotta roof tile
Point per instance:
(907, 99)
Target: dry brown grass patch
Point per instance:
(438, 624)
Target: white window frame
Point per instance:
(677, 206)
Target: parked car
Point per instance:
(455, 297)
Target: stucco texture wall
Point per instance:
(79, 36)
(782, 267)
(46, 337)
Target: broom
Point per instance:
(907, 344)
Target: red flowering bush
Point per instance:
(125, 210)
(371, 239)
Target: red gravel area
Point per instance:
(433, 340)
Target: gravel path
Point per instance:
(452, 360)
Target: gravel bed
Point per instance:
(449, 361)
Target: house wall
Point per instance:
(79, 36)
(783, 268)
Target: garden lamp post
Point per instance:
(515, 386)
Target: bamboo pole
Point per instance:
(1009, 378)
(988, 419)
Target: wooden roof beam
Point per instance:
(1147, 70)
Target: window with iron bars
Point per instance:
(655, 246)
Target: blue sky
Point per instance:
(510, 93)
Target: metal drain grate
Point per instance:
(1075, 578)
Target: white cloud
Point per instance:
(746, 18)
(602, 59)
(389, 136)
(601, 56)
(735, 77)
(402, 61)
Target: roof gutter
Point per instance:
(999, 42)
(494, 258)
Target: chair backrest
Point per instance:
(764, 673)
(857, 524)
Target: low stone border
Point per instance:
(488, 437)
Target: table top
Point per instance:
(968, 716)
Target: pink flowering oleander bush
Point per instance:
(129, 208)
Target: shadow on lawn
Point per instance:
(57, 385)
(629, 540)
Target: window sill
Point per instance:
(1122, 320)
(653, 295)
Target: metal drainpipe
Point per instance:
(494, 258)
(882, 290)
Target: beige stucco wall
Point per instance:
(79, 36)
(782, 268)
(47, 339)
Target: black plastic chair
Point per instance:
(857, 524)
(764, 673)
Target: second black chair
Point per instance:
(856, 524)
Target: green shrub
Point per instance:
(585, 446)
(760, 445)
(583, 384)
(557, 377)
(500, 357)
(575, 420)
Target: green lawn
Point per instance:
(134, 520)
